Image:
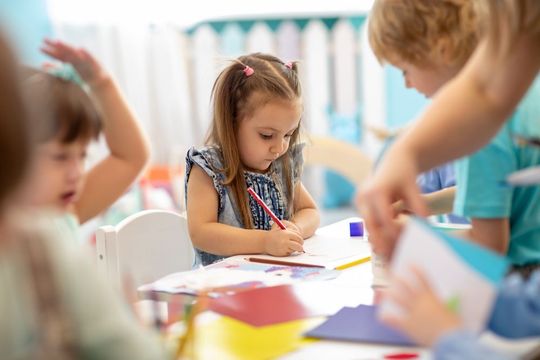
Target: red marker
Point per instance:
(266, 208)
(401, 356)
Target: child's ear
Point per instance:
(444, 51)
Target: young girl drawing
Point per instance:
(75, 117)
(253, 142)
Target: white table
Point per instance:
(359, 277)
(357, 281)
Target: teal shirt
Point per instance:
(479, 176)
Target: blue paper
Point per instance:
(359, 324)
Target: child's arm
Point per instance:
(438, 202)
(209, 235)
(463, 116)
(491, 233)
(129, 151)
(441, 201)
(306, 216)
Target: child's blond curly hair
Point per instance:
(416, 31)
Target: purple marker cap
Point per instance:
(356, 228)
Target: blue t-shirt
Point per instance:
(270, 186)
(437, 178)
(440, 178)
(479, 177)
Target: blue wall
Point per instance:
(402, 104)
(27, 23)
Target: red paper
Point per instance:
(276, 304)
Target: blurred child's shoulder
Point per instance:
(211, 154)
(56, 230)
(210, 158)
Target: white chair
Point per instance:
(144, 247)
(344, 158)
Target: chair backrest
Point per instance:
(344, 158)
(144, 247)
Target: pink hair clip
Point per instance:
(289, 65)
(248, 71)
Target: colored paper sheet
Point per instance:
(214, 282)
(234, 275)
(286, 273)
(227, 338)
(359, 324)
(464, 275)
(277, 304)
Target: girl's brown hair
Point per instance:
(15, 141)
(235, 96)
(69, 114)
(412, 31)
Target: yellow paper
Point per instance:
(227, 338)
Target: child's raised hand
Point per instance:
(282, 242)
(82, 61)
(425, 318)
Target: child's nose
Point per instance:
(76, 170)
(278, 147)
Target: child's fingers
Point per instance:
(50, 52)
(402, 292)
(394, 321)
(51, 42)
(57, 54)
(86, 56)
(62, 51)
(399, 298)
(291, 226)
(422, 281)
(377, 212)
(414, 200)
(294, 236)
(48, 66)
(294, 246)
(405, 286)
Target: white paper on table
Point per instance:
(461, 273)
(328, 251)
